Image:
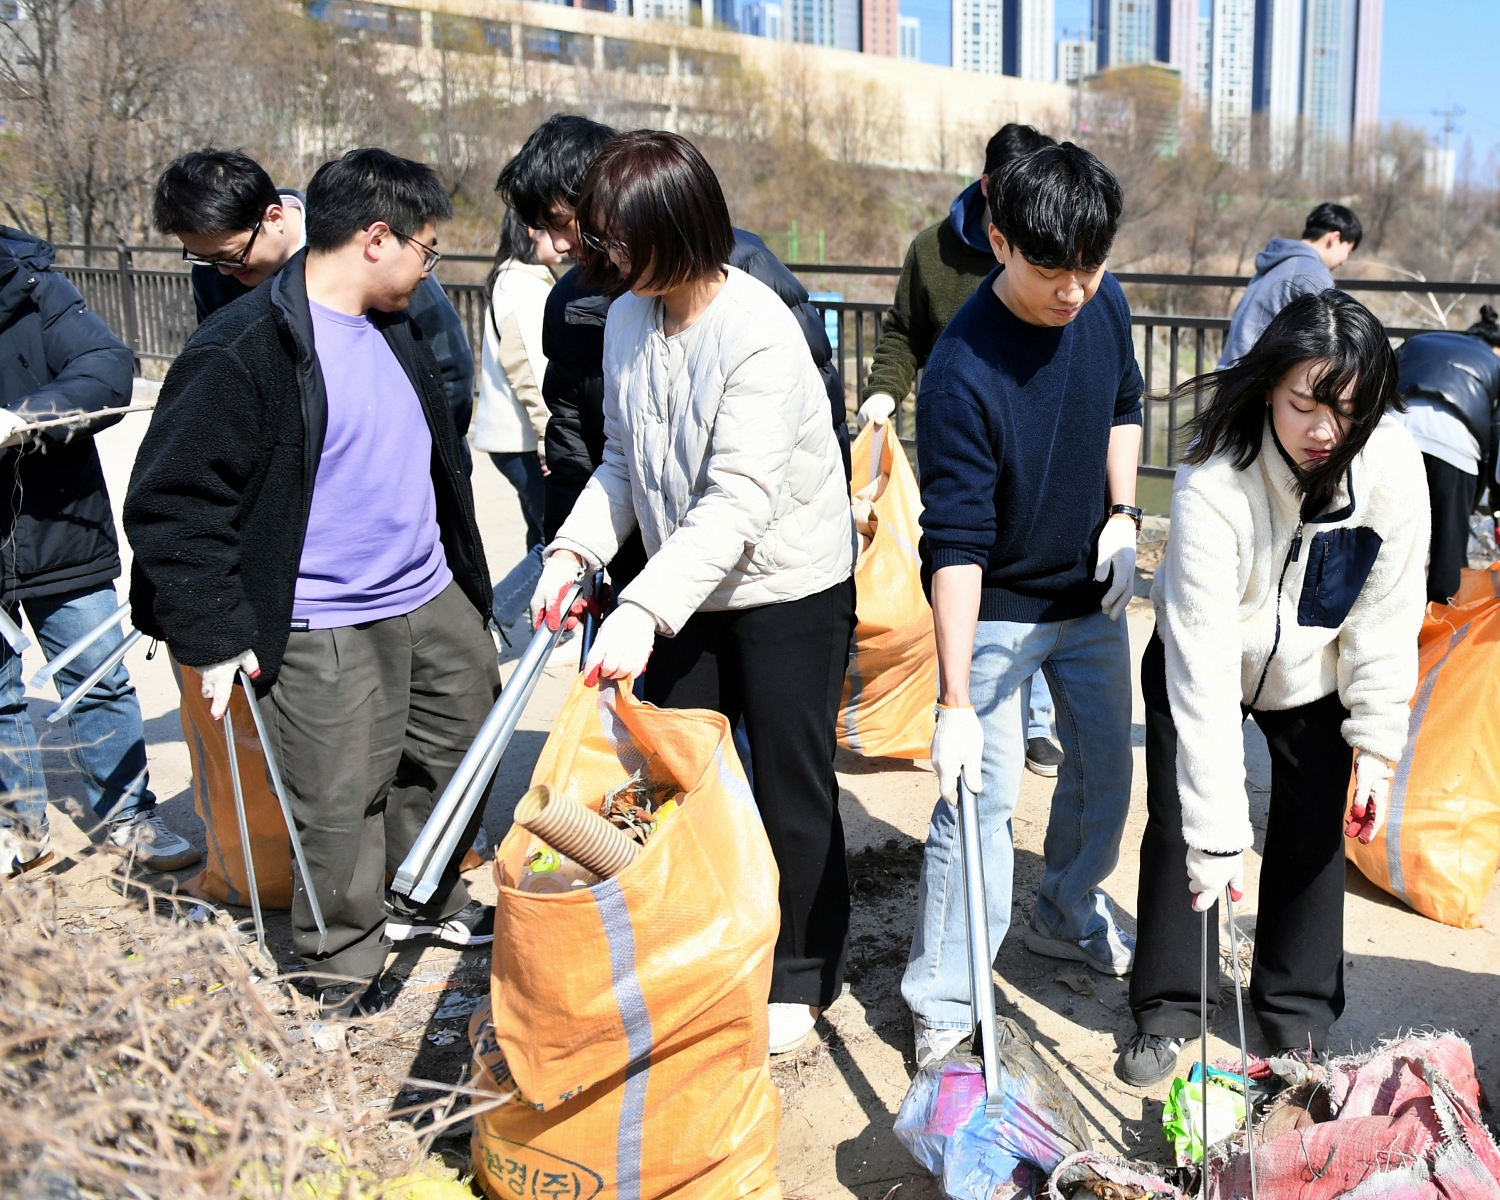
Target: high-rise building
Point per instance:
(1028, 30)
(676, 12)
(846, 24)
(811, 22)
(1367, 70)
(1278, 75)
(1127, 31)
(762, 18)
(1073, 53)
(909, 45)
(1231, 81)
(978, 36)
(880, 28)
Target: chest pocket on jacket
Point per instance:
(1339, 562)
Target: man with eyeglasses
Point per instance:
(237, 229)
(300, 513)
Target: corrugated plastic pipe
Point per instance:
(570, 828)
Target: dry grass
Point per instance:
(145, 1057)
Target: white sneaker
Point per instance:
(19, 853)
(790, 1025)
(934, 1045)
(155, 846)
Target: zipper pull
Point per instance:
(1297, 543)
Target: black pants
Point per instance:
(1452, 494)
(1297, 981)
(369, 723)
(781, 667)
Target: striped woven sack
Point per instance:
(891, 684)
(627, 1033)
(1440, 844)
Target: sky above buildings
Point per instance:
(1436, 54)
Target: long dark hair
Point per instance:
(515, 246)
(1327, 327)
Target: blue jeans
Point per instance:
(1037, 698)
(524, 471)
(1087, 664)
(106, 739)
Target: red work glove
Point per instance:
(561, 571)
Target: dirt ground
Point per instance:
(842, 1091)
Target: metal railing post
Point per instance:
(129, 317)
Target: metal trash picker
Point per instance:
(422, 870)
(78, 647)
(1239, 1003)
(981, 957)
(11, 632)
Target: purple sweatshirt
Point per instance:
(372, 548)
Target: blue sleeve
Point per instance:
(1131, 385)
(433, 313)
(960, 469)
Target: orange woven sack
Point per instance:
(628, 1027)
(223, 875)
(891, 684)
(1440, 844)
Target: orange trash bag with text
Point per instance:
(626, 1032)
(891, 684)
(223, 874)
(1440, 844)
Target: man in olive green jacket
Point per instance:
(945, 265)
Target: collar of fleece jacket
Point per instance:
(1257, 606)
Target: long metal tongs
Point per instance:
(422, 870)
(1239, 1004)
(981, 959)
(286, 806)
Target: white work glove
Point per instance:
(560, 572)
(1372, 796)
(877, 408)
(1117, 554)
(219, 680)
(622, 646)
(957, 748)
(1210, 874)
(11, 425)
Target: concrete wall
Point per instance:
(857, 107)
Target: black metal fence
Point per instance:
(152, 311)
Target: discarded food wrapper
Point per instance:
(1182, 1116)
(942, 1122)
(443, 1037)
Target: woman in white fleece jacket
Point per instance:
(718, 449)
(1292, 591)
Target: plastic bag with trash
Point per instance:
(942, 1122)
(1182, 1116)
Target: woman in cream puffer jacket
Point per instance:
(1292, 590)
(718, 448)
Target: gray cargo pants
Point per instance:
(369, 722)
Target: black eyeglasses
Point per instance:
(430, 257)
(226, 264)
(613, 246)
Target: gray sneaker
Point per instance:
(153, 844)
(1148, 1058)
(1110, 952)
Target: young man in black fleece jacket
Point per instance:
(299, 511)
(1028, 432)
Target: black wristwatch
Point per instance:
(1130, 511)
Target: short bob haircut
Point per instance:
(1058, 205)
(1329, 327)
(212, 192)
(655, 193)
(351, 193)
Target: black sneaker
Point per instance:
(1148, 1058)
(1043, 757)
(472, 925)
(349, 998)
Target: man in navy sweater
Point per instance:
(1028, 434)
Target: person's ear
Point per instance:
(275, 214)
(998, 245)
(984, 186)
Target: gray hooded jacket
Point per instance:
(1285, 269)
